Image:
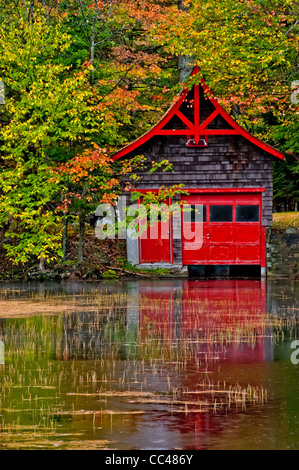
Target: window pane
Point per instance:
(201, 211)
(155, 215)
(221, 213)
(247, 213)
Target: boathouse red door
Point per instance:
(155, 244)
(231, 232)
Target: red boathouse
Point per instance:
(224, 168)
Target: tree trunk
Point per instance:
(185, 67)
(92, 40)
(2, 236)
(82, 220)
(92, 51)
(42, 264)
(185, 62)
(64, 237)
(29, 10)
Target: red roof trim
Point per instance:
(148, 135)
(199, 129)
(224, 190)
(206, 190)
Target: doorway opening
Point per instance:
(225, 271)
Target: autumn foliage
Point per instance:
(85, 77)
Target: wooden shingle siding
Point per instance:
(238, 164)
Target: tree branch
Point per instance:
(291, 28)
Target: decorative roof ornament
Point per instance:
(196, 132)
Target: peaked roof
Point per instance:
(195, 130)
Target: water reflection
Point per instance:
(208, 320)
(225, 318)
(151, 364)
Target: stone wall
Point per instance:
(283, 254)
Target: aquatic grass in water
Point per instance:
(100, 365)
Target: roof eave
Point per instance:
(171, 111)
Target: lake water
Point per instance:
(158, 365)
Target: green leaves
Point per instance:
(59, 100)
(248, 54)
(47, 107)
(246, 50)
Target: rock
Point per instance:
(36, 274)
(65, 275)
(291, 231)
(291, 236)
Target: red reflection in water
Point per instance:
(209, 313)
(216, 322)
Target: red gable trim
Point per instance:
(206, 190)
(154, 131)
(196, 129)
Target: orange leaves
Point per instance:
(144, 12)
(108, 198)
(81, 166)
(156, 97)
(112, 183)
(88, 179)
(137, 64)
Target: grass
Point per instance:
(151, 272)
(283, 220)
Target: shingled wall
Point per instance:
(227, 162)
